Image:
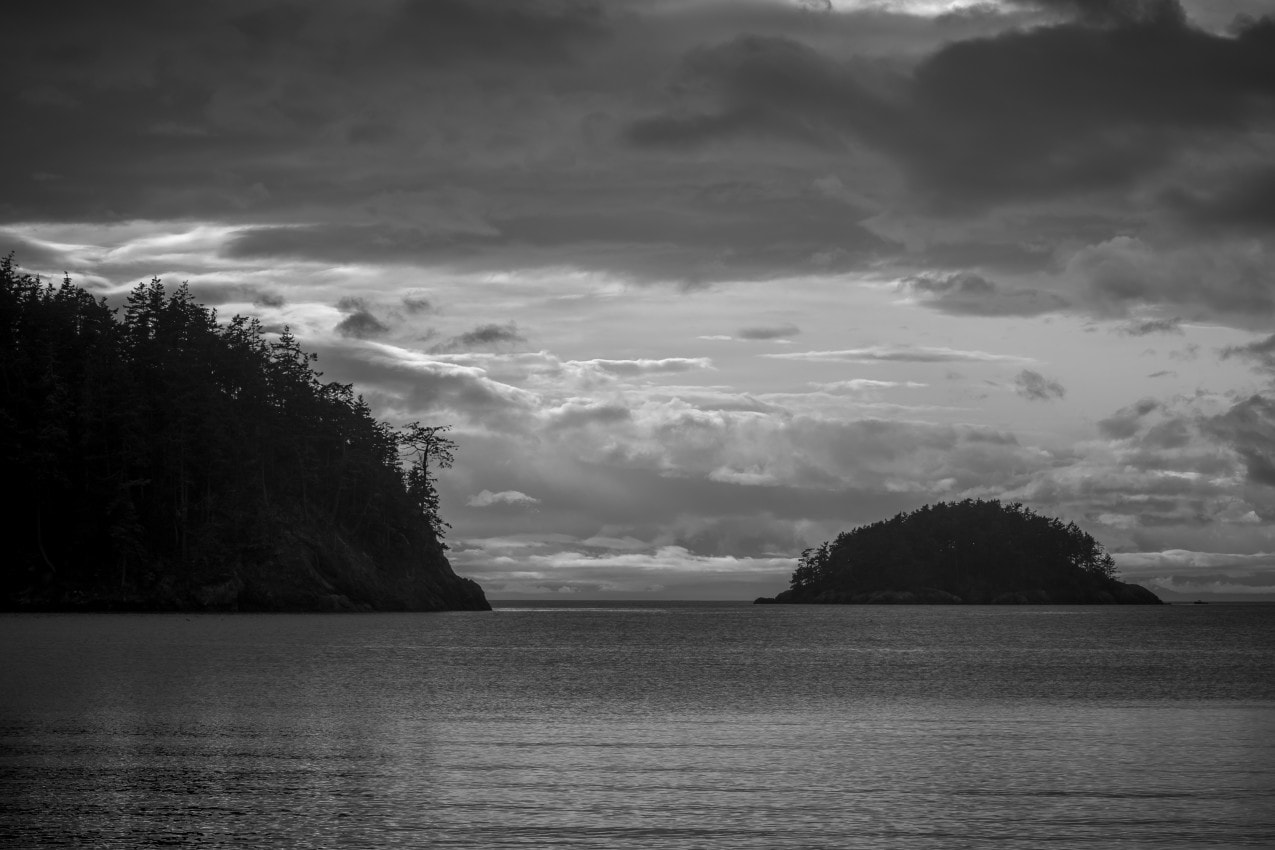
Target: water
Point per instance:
(643, 726)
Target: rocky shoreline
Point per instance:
(304, 570)
(1116, 593)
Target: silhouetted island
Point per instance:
(161, 460)
(973, 552)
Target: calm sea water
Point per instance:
(643, 726)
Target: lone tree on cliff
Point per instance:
(424, 446)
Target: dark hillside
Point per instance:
(162, 460)
(973, 551)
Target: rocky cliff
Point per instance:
(301, 568)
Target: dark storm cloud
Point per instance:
(1074, 106)
(970, 294)
(1261, 353)
(578, 415)
(351, 243)
(742, 226)
(1249, 428)
(81, 35)
(761, 332)
(443, 31)
(198, 107)
(268, 299)
(965, 283)
(1125, 422)
(1227, 278)
(490, 334)
(994, 256)
(1144, 327)
(1246, 201)
(414, 304)
(483, 336)
(1092, 103)
(775, 87)
(361, 324)
(1034, 386)
(1174, 433)
(499, 134)
(306, 113)
(735, 230)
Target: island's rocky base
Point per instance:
(1111, 593)
(301, 569)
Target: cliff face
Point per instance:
(314, 569)
(970, 552)
(303, 567)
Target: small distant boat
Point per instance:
(1199, 602)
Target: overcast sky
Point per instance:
(699, 283)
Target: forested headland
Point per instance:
(973, 551)
(158, 459)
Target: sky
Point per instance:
(699, 284)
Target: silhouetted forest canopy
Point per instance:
(160, 458)
(970, 551)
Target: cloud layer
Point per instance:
(700, 284)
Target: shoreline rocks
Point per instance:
(1115, 593)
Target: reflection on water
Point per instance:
(676, 726)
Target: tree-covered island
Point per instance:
(973, 551)
(157, 459)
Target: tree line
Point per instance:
(968, 548)
(154, 442)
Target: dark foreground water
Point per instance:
(660, 726)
